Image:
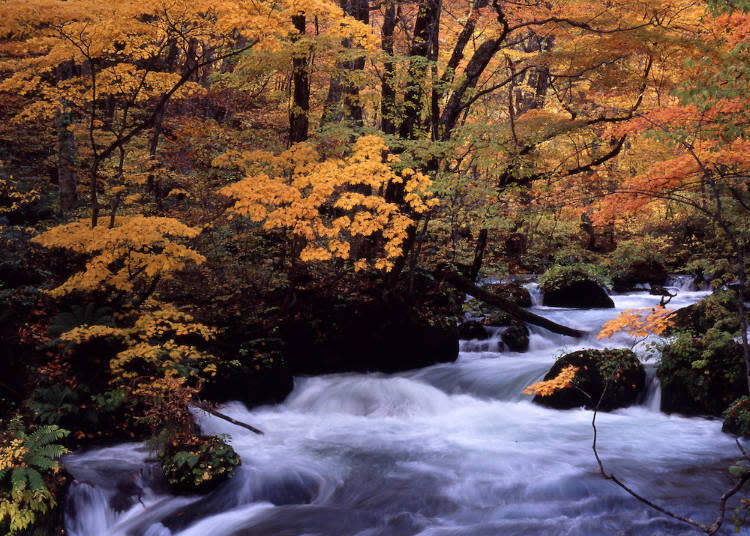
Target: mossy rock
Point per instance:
(511, 291)
(516, 337)
(737, 418)
(499, 319)
(719, 310)
(573, 286)
(640, 272)
(658, 290)
(701, 376)
(197, 464)
(621, 367)
(472, 330)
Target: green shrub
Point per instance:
(197, 464)
(737, 417)
(701, 375)
(558, 275)
(29, 474)
(629, 252)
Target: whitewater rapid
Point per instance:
(453, 449)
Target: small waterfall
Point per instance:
(536, 294)
(681, 283)
(87, 510)
(651, 397)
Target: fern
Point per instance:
(25, 459)
(91, 315)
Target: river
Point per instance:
(453, 449)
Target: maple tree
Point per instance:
(221, 167)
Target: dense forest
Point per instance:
(224, 221)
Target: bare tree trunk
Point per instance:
(67, 176)
(465, 285)
(342, 101)
(387, 90)
(298, 116)
(478, 254)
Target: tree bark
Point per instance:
(387, 90)
(465, 285)
(479, 254)
(342, 101)
(298, 116)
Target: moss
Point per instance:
(197, 464)
(701, 375)
(511, 291)
(719, 311)
(559, 276)
(619, 369)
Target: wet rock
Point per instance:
(516, 337)
(625, 374)
(472, 330)
(573, 286)
(511, 291)
(579, 295)
(701, 376)
(640, 272)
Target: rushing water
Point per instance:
(453, 449)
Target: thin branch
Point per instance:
(208, 409)
(708, 529)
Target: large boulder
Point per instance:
(579, 295)
(378, 340)
(472, 330)
(386, 332)
(251, 381)
(573, 286)
(516, 337)
(640, 272)
(701, 376)
(719, 310)
(623, 372)
(511, 291)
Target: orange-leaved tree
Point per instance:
(331, 208)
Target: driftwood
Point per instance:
(466, 285)
(208, 409)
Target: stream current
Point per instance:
(450, 450)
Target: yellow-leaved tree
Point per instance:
(130, 257)
(331, 208)
(161, 367)
(107, 71)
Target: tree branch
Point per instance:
(208, 409)
(465, 285)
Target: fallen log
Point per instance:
(208, 409)
(466, 285)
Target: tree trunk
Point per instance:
(298, 116)
(465, 285)
(479, 254)
(342, 101)
(387, 90)
(67, 176)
